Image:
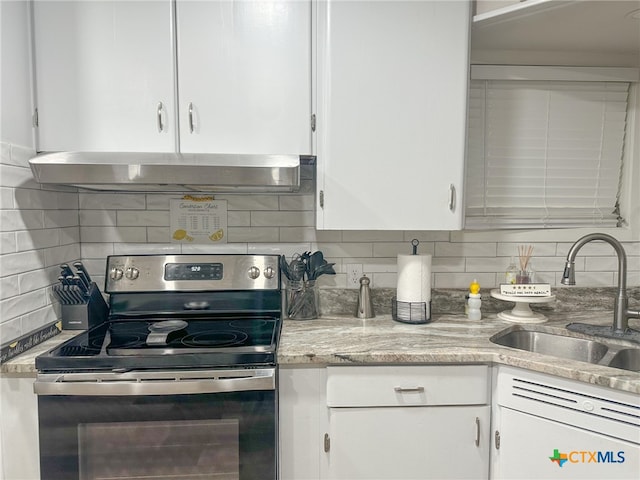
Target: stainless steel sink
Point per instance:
(627, 359)
(601, 351)
(572, 348)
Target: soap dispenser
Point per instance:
(474, 302)
(365, 304)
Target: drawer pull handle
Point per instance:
(477, 432)
(408, 389)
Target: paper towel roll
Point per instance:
(414, 278)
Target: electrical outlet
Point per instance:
(354, 272)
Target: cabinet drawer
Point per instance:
(366, 386)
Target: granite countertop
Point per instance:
(339, 339)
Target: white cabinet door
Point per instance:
(534, 447)
(19, 450)
(244, 76)
(392, 96)
(104, 75)
(403, 443)
(301, 395)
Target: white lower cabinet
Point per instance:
(384, 422)
(19, 452)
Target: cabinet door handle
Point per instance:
(191, 117)
(452, 197)
(477, 432)
(160, 115)
(408, 389)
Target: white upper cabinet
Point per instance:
(104, 76)
(391, 114)
(192, 76)
(244, 76)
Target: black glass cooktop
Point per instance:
(169, 342)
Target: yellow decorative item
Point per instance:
(217, 235)
(181, 234)
(474, 287)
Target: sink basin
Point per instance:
(627, 359)
(580, 349)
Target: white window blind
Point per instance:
(544, 153)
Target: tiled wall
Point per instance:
(38, 231)
(42, 228)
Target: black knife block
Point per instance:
(85, 315)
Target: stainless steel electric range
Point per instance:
(179, 382)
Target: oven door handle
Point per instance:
(154, 383)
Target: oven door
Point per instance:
(183, 425)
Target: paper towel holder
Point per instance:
(410, 312)
(414, 244)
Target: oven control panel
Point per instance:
(197, 272)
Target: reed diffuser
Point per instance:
(525, 275)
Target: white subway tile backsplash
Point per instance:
(475, 249)
(13, 220)
(426, 236)
(62, 254)
(38, 279)
(345, 249)
(372, 236)
(36, 239)
(15, 263)
(9, 287)
(6, 198)
(69, 235)
(253, 234)
(281, 218)
(448, 264)
(147, 248)
(286, 249)
(158, 234)
(297, 202)
(38, 318)
(309, 234)
(222, 248)
(385, 249)
(60, 218)
(540, 249)
(113, 234)
(23, 304)
(30, 199)
(112, 201)
(142, 217)
(10, 329)
(8, 243)
(98, 218)
(237, 218)
(250, 202)
(97, 250)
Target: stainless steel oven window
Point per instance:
(160, 450)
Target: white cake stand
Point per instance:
(521, 313)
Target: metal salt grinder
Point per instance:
(365, 305)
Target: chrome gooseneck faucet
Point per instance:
(621, 311)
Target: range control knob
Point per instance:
(116, 273)
(254, 272)
(132, 273)
(269, 272)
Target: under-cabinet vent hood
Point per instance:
(169, 172)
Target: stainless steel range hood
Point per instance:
(169, 172)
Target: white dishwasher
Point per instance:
(549, 428)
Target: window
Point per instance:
(544, 153)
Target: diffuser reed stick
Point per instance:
(524, 254)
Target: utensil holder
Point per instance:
(411, 312)
(302, 300)
(85, 315)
